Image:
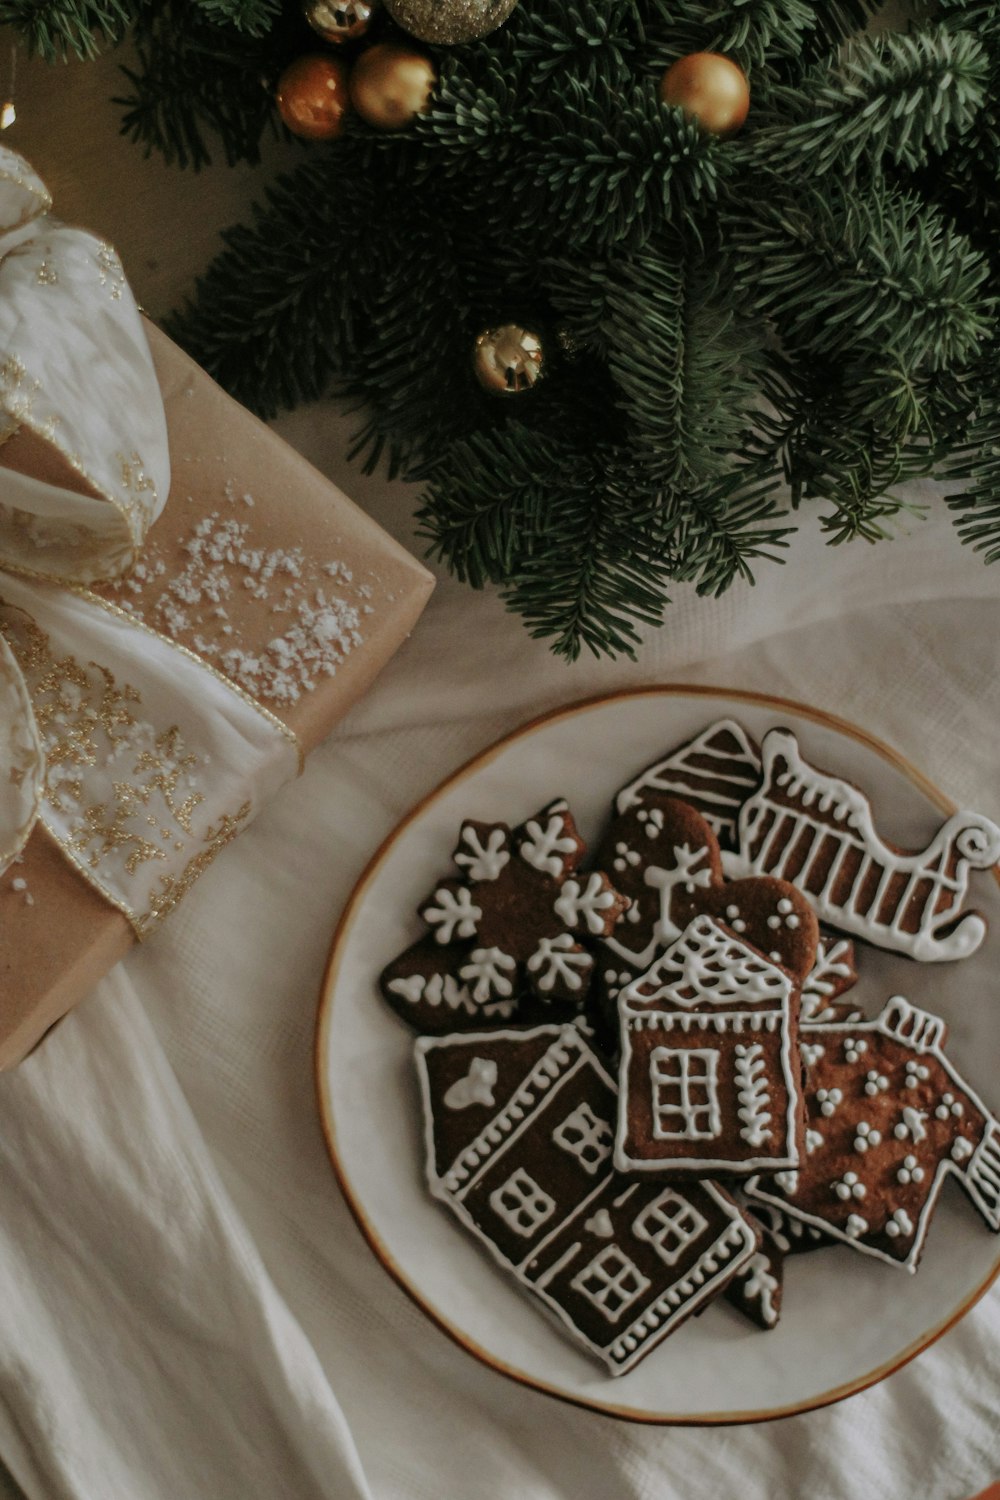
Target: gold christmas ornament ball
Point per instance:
(508, 359)
(709, 88)
(313, 98)
(391, 85)
(340, 21)
(448, 23)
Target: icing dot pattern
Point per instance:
(867, 1136)
(886, 1113)
(875, 1083)
(850, 1186)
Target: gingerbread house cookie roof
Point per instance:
(709, 967)
(715, 772)
(709, 1078)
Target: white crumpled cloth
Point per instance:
(188, 1311)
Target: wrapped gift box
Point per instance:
(273, 578)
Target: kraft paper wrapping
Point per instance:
(288, 545)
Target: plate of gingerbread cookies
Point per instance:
(655, 1057)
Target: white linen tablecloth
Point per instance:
(188, 1311)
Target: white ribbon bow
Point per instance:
(138, 757)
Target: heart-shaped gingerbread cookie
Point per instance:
(665, 857)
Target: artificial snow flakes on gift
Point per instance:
(224, 566)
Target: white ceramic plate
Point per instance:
(847, 1321)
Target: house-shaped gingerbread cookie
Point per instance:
(715, 772)
(519, 1129)
(710, 1077)
(889, 1118)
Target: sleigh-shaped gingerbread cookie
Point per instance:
(816, 831)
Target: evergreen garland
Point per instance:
(801, 315)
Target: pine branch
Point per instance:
(889, 98)
(752, 30)
(823, 430)
(530, 512)
(837, 20)
(720, 530)
(850, 273)
(471, 112)
(484, 510)
(253, 17)
(979, 17)
(196, 81)
(689, 384)
(586, 39)
(580, 163)
(978, 510)
(596, 593)
(608, 171)
(58, 29)
(580, 293)
(859, 511)
(269, 319)
(977, 459)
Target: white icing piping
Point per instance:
(677, 776)
(974, 840)
(636, 1011)
(924, 1032)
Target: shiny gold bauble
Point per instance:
(508, 359)
(391, 85)
(340, 21)
(312, 96)
(709, 88)
(449, 22)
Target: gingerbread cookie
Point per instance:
(788, 1236)
(889, 1118)
(715, 773)
(519, 1129)
(666, 859)
(710, 1074)
(833, 974)
(768, 914)
(509, 927)
(649, 851)
(816, 831)
(758, 1289)
(423, 987)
